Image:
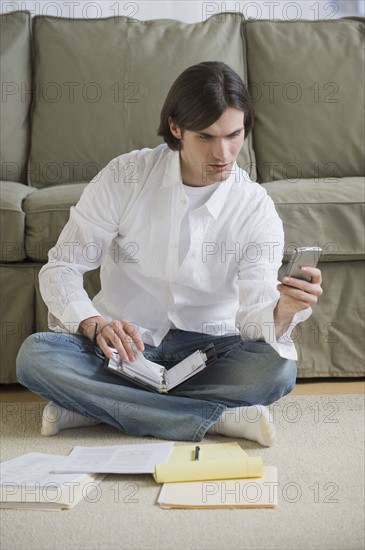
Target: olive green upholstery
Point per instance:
(77, 93)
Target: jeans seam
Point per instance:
(202, 429)
(233, 349)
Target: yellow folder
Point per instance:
(261, 492)
(216, 461)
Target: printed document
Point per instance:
(115, 459)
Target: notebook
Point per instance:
(216, 461)
(155, 377)
(260, 492)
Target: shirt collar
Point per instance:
(214, 204)
(172, 173)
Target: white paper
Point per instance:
(183, 370)
(156, 375)
(116, 459)
(144, 368)
(26, 482)
(33, 469)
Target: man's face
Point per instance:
(207, 156)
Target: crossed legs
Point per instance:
(64, 369)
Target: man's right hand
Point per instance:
(117, 334)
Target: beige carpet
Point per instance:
(319, 453)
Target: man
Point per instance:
(189, 249)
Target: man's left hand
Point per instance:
(298, 294)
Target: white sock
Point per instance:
(253, 423)
(57, 418)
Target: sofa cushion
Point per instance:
(331, 341)
(47, 212)
(326, 214)
(12, 220)
(16, 79)
(307, 82)
(102, 84)
(322, 213)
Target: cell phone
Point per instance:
(302, 257)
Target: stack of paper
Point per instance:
(216, 461)
(223, 476)
(26, 482)
(259, 492)
(203, 476)
(42, 481)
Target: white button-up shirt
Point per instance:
(128, 222)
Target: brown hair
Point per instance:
(200, 95)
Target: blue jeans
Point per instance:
(65, 369)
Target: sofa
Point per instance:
(77, 93)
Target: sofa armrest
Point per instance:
(12, 220)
